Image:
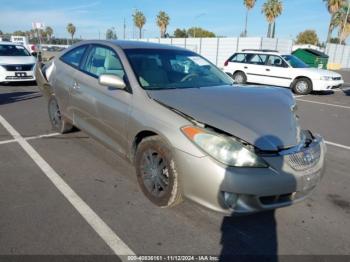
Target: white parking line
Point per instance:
(337, 145)
(100, 227)
(321, 103)
(41, 136)
(29, 138)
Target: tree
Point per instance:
(341, 19)
(162, 22)
(1, 33)
(49, 33)
(272, 9)
(19, 33)
(307, 37)
(71, 29)
(249, 4)
(199, 32)
(139, 21)
(180, 33)
(333, 7)
(110, 34)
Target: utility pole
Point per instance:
(345, 22)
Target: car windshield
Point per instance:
(294, 61)
(174, 69)
(13, 50)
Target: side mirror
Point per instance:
(35, 54)
(111, 81)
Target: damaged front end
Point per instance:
(42, 75)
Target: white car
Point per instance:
(16, 63)
(272, 68)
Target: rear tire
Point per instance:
(58, 122)
(302, 86)
(156, 172)
(240, 78)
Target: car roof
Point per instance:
(260, 52)
(128, 44)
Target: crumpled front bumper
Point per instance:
(248, 190)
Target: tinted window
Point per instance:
(74, 57)
(174, 69)
(275, 61)
(238, 58)
(13, 50)
(102, 60)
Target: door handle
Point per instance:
(268, 69)
(246, 67)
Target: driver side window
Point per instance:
(102, 60)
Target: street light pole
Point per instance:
(345, 22)
(195, 18)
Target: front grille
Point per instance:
(278, 199)
(305, 159)
(27, 67)
(336, 78)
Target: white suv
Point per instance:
(272, 68)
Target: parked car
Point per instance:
(16, 63)
(269, 67)
(184, 125)
(23, 40)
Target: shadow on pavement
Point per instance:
(25, 83)
(323, 93)
(249, 238)
(254, 237)
(347, 92)
(13, 97)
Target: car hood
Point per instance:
(321, 72)
(16, 60)
(261, 116)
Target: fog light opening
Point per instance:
(230, 199)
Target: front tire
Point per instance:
(240, 78)
(58, 122)
(302, 86)
(156, 172)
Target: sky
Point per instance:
(224, 17)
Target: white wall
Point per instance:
(339, 54)
(218, 50)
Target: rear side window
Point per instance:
(238, 58)
(275, 61)
(74, 57)
(257, 59)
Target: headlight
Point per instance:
(224, 149)
(326, 78)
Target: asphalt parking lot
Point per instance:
(69, 195)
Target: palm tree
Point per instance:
(71, 30)
(272, 9)
(49, 32)
(139, 21)
(249, 4)
(333, 7)
(341, 19)
(163, 22)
